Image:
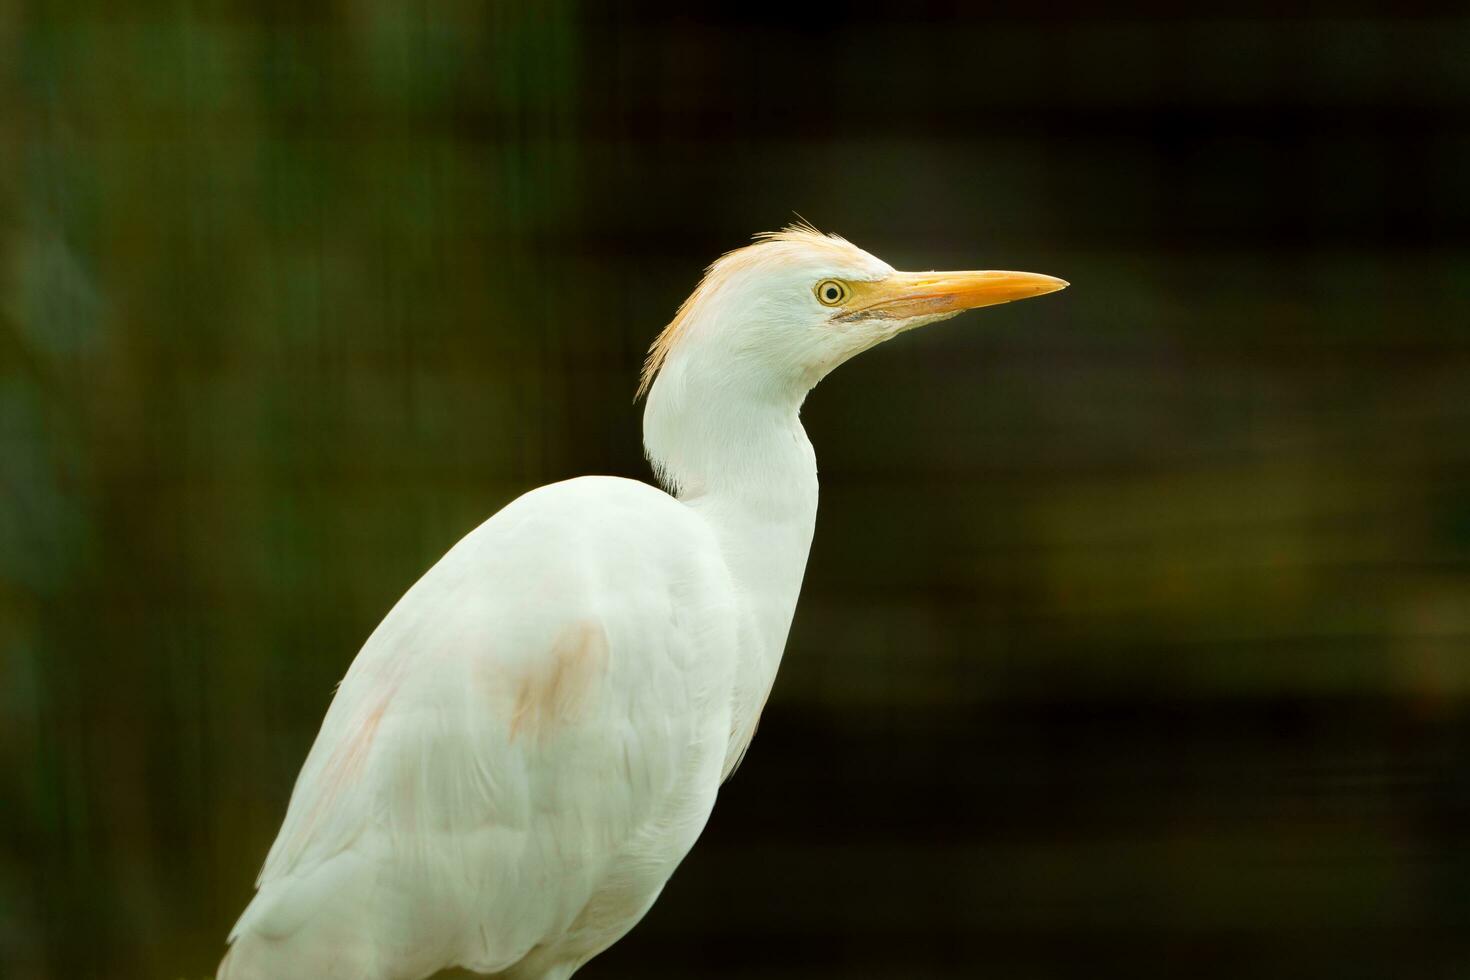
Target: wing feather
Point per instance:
(524, 714)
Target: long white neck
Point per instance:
(733, 450)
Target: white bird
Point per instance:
(534, 736)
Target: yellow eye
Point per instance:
(830, 292)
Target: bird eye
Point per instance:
(830, 292)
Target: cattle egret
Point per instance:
(534, 736)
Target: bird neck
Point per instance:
(729, 436)
(735, 453)
(732, 448)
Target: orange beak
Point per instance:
(911, 294)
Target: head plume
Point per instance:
(767, 246)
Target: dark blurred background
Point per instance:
(1136, 636)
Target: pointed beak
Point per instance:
(905, 295)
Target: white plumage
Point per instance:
(533, 738)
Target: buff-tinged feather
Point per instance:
(768, 248)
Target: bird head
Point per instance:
(777, 315)
(727, 376)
